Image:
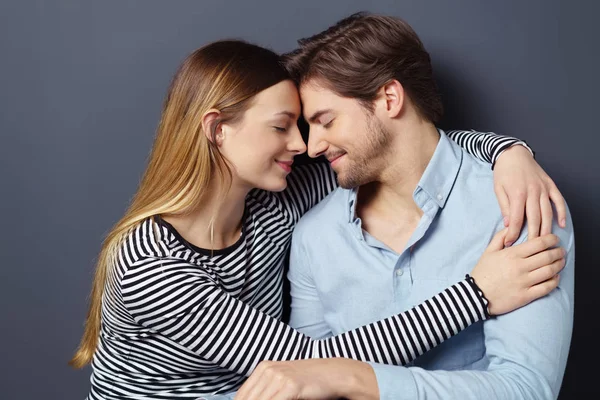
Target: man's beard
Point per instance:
(364, 165)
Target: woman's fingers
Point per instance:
(497, 242)
(547, 215)
(517, 213)
(534, 246)
(534, 214)
(559, 204)
(546, 272)
(543, 258)
(542, 289)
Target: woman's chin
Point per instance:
(275, 185)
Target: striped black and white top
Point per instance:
(180, 322)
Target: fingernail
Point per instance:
(563, 223)
(508, 244)
(505, 221)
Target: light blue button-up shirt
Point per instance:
(342, 278)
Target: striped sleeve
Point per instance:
(486, 146)
(307, 185)
(181, 302)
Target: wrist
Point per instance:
(479, 291)
(518, 149)
(357, 380)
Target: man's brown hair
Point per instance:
(361, 53)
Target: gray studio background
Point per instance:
(81, 87)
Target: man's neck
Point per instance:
(406, 161)
(386, 206)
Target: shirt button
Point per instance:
(399, 272)
(440, 197)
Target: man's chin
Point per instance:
(345, 185)
(348, 182)
(351, 178)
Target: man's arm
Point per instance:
(343, 377)
(526, 349)
(307, 315)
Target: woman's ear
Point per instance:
(211, 126)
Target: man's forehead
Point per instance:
(314, 87)
(315, 97)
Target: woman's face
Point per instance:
(262, 146)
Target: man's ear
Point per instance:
(211, 126)
(392, 98)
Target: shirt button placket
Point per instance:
(401, 284)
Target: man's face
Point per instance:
(352, 139)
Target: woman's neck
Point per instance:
(225, 213)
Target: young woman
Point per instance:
(186, 299)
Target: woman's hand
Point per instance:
(515, 276)
(329, 378)
(523, 188)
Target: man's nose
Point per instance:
(317, 146)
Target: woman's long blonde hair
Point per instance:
(223, 75)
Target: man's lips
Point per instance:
(334, 159)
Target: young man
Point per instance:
(417, 206)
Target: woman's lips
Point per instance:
(285, 165)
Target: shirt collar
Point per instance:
(352, 195)
(437, 180)
(441, 172)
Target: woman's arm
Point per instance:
(190, 309)
(521, 185)
(486, 146)
(183, 303)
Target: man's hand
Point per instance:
(522, 187)
(310, 379)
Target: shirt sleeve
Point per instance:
(307, 312)
(183, 303)
(527, 351)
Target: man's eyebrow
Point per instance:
(316, 115)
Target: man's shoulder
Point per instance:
(565, 235)
(325, 214)
(472, 164)
(475, 179)
(475, 184)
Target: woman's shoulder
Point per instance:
(147, 241)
